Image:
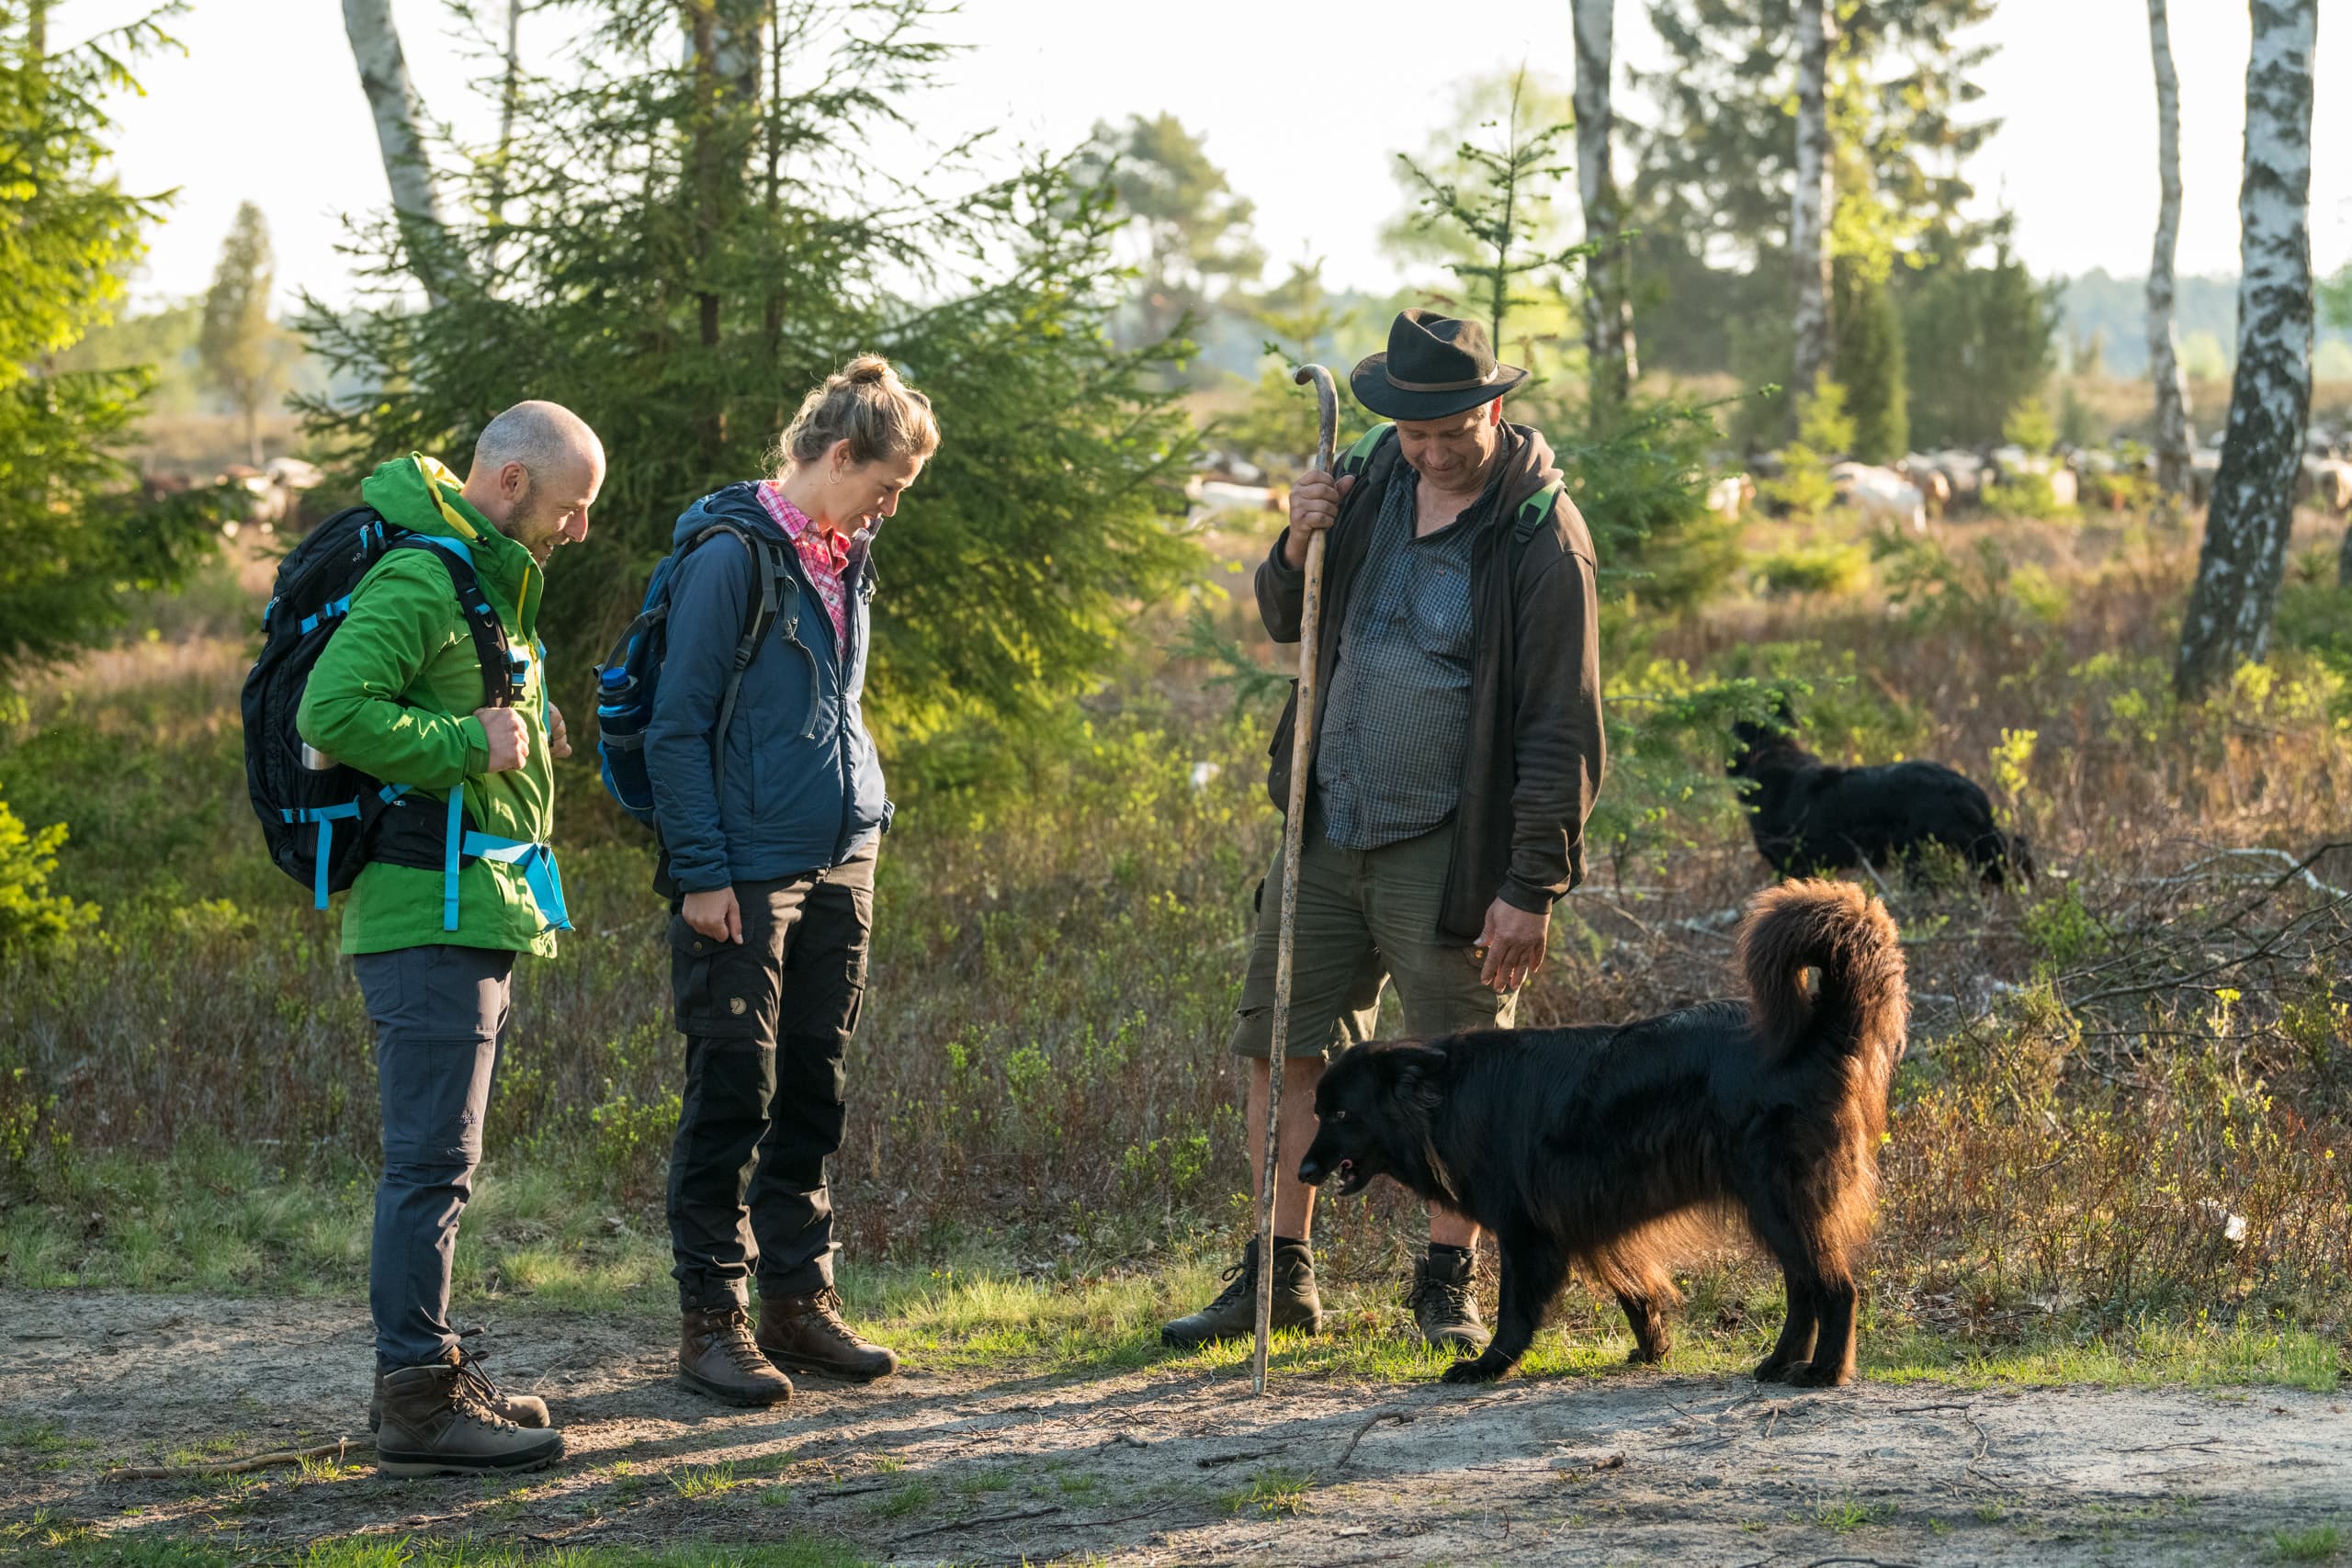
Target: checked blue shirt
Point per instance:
(1389, 765)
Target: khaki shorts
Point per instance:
(1364, 917)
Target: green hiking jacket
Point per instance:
(394, 695)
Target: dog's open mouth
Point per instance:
(1350, 1180)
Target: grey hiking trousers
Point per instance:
(439, 1013)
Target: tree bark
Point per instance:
(1815, 195)
(1607, 296)
(2164, 342)
(2244, 557)
(393, 99)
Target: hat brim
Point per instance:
(1369, 381)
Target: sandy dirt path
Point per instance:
(1162, 1465)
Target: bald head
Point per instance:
(537, 468)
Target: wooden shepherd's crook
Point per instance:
(1301, 748)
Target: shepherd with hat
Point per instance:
(1456, 752)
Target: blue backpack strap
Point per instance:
(502, 673)
(326, 817)
(453, 844)
(536, 863)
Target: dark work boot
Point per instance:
(806, 1334)
(1442, 1305)
(717, 1357)
(436, 1421)
(1234, 1314)
(523, 1409)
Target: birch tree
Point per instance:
(1816, 194)
(2244, 556)
(1608, 298)
(2164, 342)
(399, 111)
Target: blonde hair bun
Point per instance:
(866, 404)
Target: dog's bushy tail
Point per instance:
(1861, 1005)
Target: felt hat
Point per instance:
(1434, 366)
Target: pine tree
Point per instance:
(242, 349)
(1871, 364)
(72, 529)
(692, 242)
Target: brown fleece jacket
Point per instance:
(1533, 760)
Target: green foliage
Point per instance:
(1487, 207)
(1195, 231)
(2028, 425)
(33, 918)
(1828, 569)
(1978, 341)
(1640, 481)
(694, 259)
(1716, 166)
(73, 535)
(244, 351)
(1825, 433)
(1869, 357)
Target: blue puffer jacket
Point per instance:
(793, 804)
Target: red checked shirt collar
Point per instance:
(824, 556)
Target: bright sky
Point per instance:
(265, 105)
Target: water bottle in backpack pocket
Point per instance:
(626, 681)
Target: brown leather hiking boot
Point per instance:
(1234, 1314)
(717, 1357)
(1443, 1308)
(523, 1409)
(436, 1421)
(806, 1334)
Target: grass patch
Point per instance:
(1846, 1515)
(702, 1480)
(2321, 1543)
(914, 1496)
(1271, 1494)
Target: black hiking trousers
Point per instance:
(767, 1024)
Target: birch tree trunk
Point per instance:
(1815, 195)
(393, 99)
(1607, 296)
(2244, 556)
(2164, 342)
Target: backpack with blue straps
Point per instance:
(631, 673)
(322, 819)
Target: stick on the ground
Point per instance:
(339, 1449)
(1302, 752)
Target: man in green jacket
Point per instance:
(400, 694)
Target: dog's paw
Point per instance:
(1771, 1370)
(1485, 1369)
(1819, 1374)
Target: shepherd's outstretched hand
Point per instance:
(1513, 943)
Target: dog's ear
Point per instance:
(1414, 1074)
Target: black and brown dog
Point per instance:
(1613, 1147)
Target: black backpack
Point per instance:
(324, 820)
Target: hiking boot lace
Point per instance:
(473, 1393)
(826, 1306)
(1241, 1280)
(1428, 1291)
(733, 1332)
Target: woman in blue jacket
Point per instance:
(770, 819)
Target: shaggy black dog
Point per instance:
(1810, 817)
(1612, 1148)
